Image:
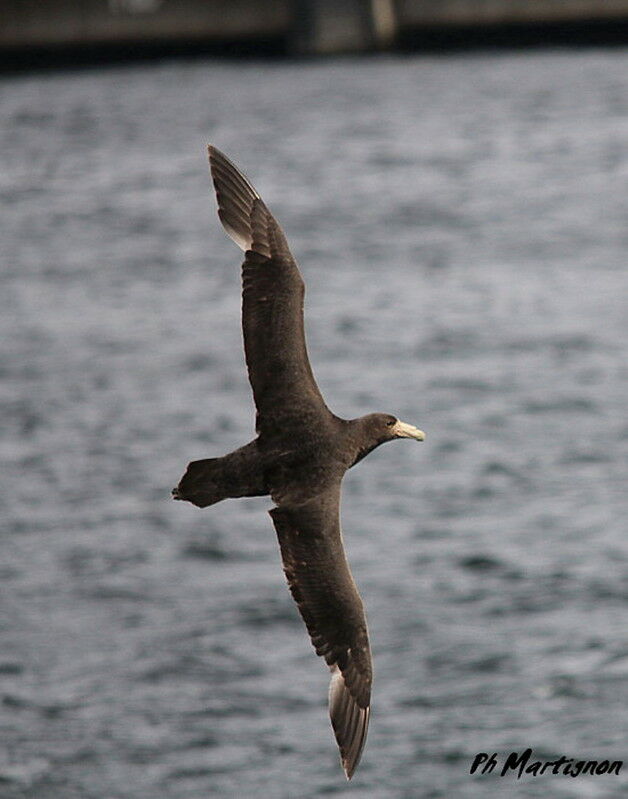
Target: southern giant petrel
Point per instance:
(299, 457)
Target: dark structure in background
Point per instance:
(33, 33)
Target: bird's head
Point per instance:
(392, 428)
(377, 428)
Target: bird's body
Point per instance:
(290, 470)
(299, 457)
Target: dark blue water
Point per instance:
(461, 226)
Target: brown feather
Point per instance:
(272, 303)
(323, 588)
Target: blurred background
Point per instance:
(459, 214)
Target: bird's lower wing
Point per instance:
(322, 586)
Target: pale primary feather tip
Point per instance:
(350, 722)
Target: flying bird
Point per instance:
(299, 457)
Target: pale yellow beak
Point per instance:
(403, 430)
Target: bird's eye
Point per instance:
(390, 422)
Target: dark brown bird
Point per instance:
(299, 457)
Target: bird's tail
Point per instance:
(201, 484)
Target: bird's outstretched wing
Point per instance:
(284, 387)
(323, 588)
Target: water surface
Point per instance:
(461, 225)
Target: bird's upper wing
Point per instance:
(281, 377)
(323, 588)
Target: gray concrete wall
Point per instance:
(318, 26)
(497, 12)
(57, 22)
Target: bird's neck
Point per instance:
(358, 444)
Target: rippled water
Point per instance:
(461, 225)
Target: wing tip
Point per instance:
(236, 198)
(349, 721)
(244, 216)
